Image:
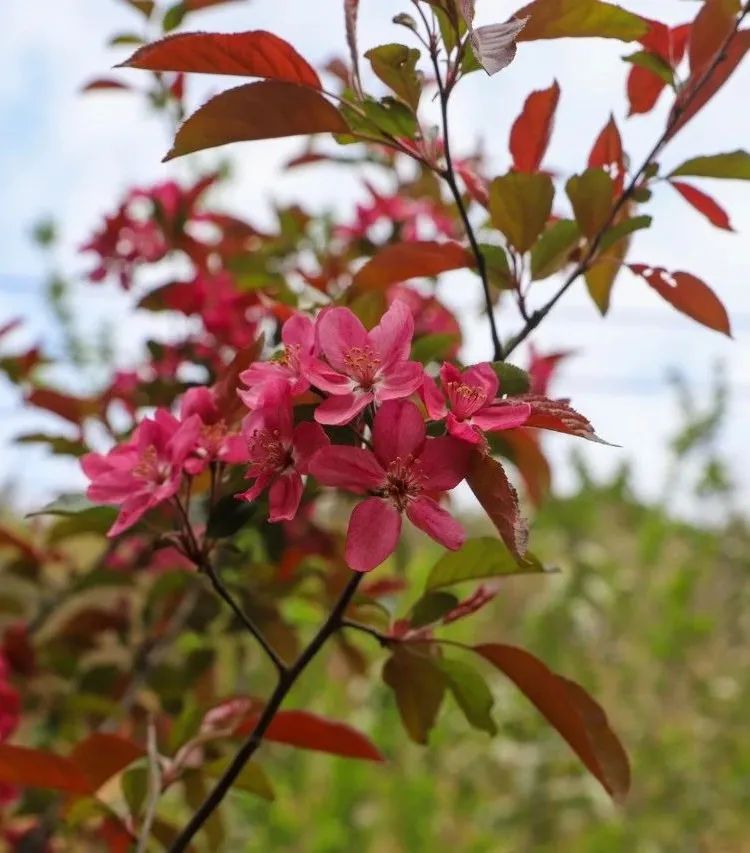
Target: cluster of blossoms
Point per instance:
(341, 404)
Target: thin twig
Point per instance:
(383, 639)
(287, 679)
(449, 175)
(679, 110)
(154, 787)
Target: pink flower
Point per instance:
(365, 367)
(143, 472)
(214, 443)
(471, 404)
(298, 337)
(279, 451)
(404, 469)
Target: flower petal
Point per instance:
(338, 331)
(340, 410)
(374, 530)
(436, 522)
(351, 468)
(445, 462)
(392, 336)
(309, 438)
(284, 497)
(402, 380)
(299, 330)
(398, 430)
(502, 416)
(433, 399)
(130, 513)
(463, 430)
(322, 376)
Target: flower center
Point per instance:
(290, 357)
(363, 364)
(268, 451)
(403, 481)
(212, 437)
(465, 399)
(151, 468)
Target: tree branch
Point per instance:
(449, 175)
(287, 680)
(582, 266)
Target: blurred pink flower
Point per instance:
(214, 443)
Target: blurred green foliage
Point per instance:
(650, 614)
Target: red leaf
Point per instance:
(225, 391)
(100, 756)
(607, 154)
(490, 484)
(266, 110)
(526, 454)
(558, 416)
(402, 261)
(33, 768)
(73, 409)
(311, 731)
(567, 707)
(104, 83)
(256, 53)
(531, 131)
(710, 30)
(703, 203)
(733, 56)
(644, 88)
(687, 294)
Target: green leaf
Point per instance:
(552, 250)
(70, 504)
(471, 693)
(391, 116)
(496, 264)
(735, 165)
(654, 63)
(436, 347)
(431, 607)
(513, 380)
(253, 778)
(551, 19)
(419, 686)
(395, 65)
(228, 516)
(520, 205)
(591, 195)
(479, 558)
(134, 783)
(173, 17)
(623, 229)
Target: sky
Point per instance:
(72, 156)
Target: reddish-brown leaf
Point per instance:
(711, 27)
(255, 53)
(644, 88)
(491, 487)
(34, 768)
(689, 102)
(704, 204)
(104, 83)
(567, 707)
(311, 731)
(402, 261)
(100, 756)
(73, 409)
(687, 294)
(225, 391)
(607, 154)
(558, 416)
(525, 453)
(531, 131)
(266, 110)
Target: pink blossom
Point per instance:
(298, 337)
(215, 442)
(279, 452)
(404, 471)
(472, 406)
(144, 471)
(363, 367)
